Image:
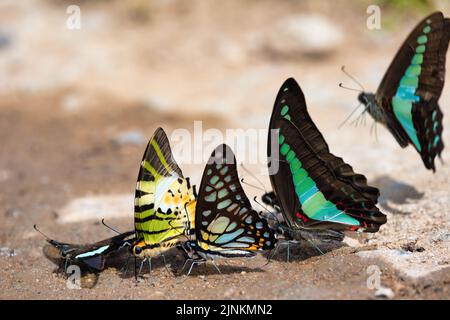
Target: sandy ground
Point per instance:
(63, 104)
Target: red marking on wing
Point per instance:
(302, 217)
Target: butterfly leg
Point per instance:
(140, 268)
(135, 274)
(124, 269)
(274, 251)
(288, 250)
(190, 269)
(165, 263)
(315, 246)
(195, 262)
(184, 264)
(149, 265)
(215, 265)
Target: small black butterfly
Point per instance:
(88, 256)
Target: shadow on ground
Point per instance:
(300, 251)
(396, 192)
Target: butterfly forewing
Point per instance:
(315, 188)
(226, 222)
(164, 200)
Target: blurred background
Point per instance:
(77, 106)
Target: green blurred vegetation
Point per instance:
(420, 6)
(396, 12)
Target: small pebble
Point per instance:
(131, 137)
(384, 292)
(7, 252)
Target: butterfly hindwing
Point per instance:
(226, 222)
(163, 200)
(315, 188)
(412, 86)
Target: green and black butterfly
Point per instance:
(90, 257)
(226, 226)
(406, 101)
(317, 193)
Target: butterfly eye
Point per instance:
(137, 250)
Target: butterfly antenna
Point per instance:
(179, 232)
(271, 216)
(251, 185)
(43, 234)
(110, 228)
(348, 88)
(349, 116)
(189, 238)
(254, 177)
(176, 229)
(352, 77)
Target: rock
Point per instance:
(7, 252)
(412, 247)
(410, 264)
(97, 207)
(384, 292)
(5, 40)
(228, 293)
(13, 213)
(231, 51)
(71, 102)
(131, 137)
(159, 103)
(312, 35)
(441, 236)
(351, 242)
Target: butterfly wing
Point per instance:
(412, 85)
(164, 200)
(315, 188)
(226, 224)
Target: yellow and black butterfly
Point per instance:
(318, 194)
(226, 225)
(164, 208)
(406, 101)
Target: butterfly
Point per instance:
(88, 256)
(315, 191)
(226, 225)
(164, 207)
(406, 101)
